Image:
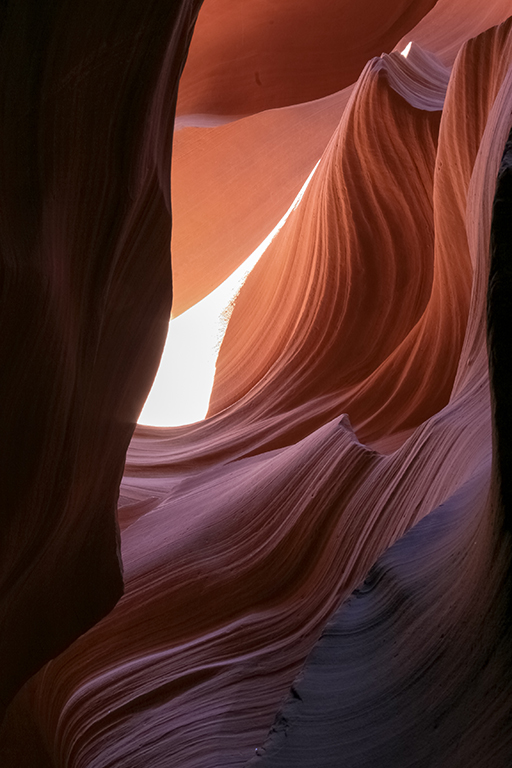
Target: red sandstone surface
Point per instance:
(318, 573)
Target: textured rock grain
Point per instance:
(341, 518)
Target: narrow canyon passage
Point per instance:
(312, 569)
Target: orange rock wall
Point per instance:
(332, 544)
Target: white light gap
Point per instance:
(182, 387)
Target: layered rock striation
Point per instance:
(333, 542)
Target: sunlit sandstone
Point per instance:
(317, 573)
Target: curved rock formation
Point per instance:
(86, 293)
(256, 56)
(351, 434)
(429, 631)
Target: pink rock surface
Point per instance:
(350, 435)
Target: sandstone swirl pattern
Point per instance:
(332, 544)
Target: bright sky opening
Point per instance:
(182, 387)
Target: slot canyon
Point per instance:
(312, 568)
